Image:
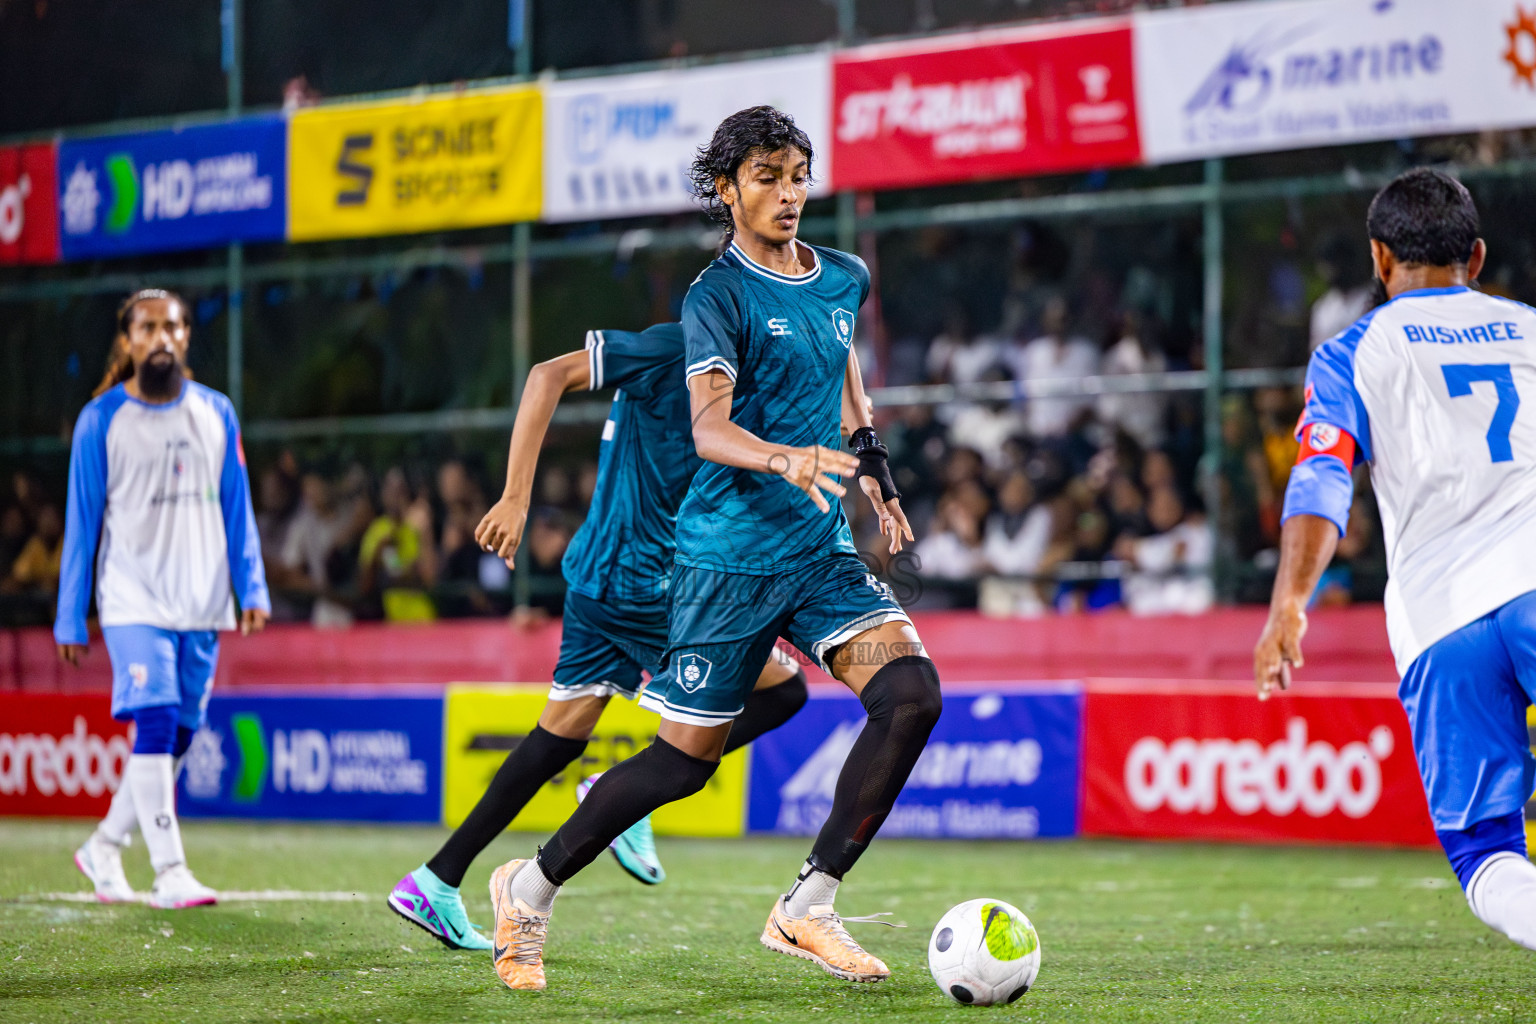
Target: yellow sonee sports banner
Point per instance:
(483, 723)
(390, 168)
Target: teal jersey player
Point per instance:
(784, 342)
(624, 549)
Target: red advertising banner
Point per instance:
(60, 755)
(1327, 763)
(29, 218)
(984, 106)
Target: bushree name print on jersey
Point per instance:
(1502, 330)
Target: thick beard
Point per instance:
(1378, 292)
(160, 379)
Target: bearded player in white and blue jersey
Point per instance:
(762, 553)
(1427, 389)
(159, 511)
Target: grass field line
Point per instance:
(225, 896)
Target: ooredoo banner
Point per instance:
(180, 189)
(61, 755)
(349, 758)
(621, 145)
(986, 105)
(1197, 761)
(457, 161)
(1249, 77)
(485, 723)
(1002, 763)
(29, 222)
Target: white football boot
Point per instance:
(101, 860)
(176, 889)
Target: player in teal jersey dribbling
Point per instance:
(762, 553)
(617, 573)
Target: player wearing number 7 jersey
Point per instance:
(1426, 388)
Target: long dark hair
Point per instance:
(755, 129)
(119, 361)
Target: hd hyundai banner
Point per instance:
(61, 755)
(352, 758)
(1248, 77)
(1002, 763)
(621, 145)
(29, 221)
(183, 189)
(984, 105)
(1209, 761)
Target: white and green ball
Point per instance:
(984, 952)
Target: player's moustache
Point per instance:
(160, 374)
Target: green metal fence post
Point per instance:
(234, 278)
(1212, 329)
(522, 297)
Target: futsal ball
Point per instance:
(984, 952)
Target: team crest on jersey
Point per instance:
(139, 674)
(693, 672)
(842, 323)
(1322, 436)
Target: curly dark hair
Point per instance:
(753, 130)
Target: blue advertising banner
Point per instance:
(339, 758)
(1003, 763)
(180, 189)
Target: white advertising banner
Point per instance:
(620, 146)
(1288, 74)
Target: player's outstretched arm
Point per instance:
(84, 507)
(501, 531)
(1307, 543)
(874, 473)
(813, 469)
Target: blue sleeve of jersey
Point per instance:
(1320, 486)
(83, 511)
(711, 326)
(1331, 394)
(641, 364)
(246, 574)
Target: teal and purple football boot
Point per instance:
(437, 909)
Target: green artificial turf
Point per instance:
(1130, 932)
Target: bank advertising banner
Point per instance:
(986, 105)
(456, 161)
(485, 723)
(60, 755)
(1193, 761)
(1287, 74)
(186, 188)
(620, 146)
(349, 758)
(1002, 763)
(29, 216)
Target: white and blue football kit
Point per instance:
(1429, 388)
(159, 512)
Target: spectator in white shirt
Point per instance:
(1019, 531)
(1055, 355)
(1171, 566)
(1140, 414)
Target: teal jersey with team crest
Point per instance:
(784, 343)
(623, 552)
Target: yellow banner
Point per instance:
(390, 168)
(483, 723)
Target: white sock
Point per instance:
(811, 888)
(154, 797)
(530, 886)
(117, 827)
(1502, 894)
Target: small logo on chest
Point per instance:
(779, 327)
(842, 325)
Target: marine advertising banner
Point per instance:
(61, 755)
(620, 146)
(1209, 761)
(984, 105)
(29, 213)
(352, 758)
(454, 161)
(1003, 763)
(1287, 74)
(181, 189)
(485, 723)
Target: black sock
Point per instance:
(903, 703)
(627, 792)
(538, 758)
(766, 710)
